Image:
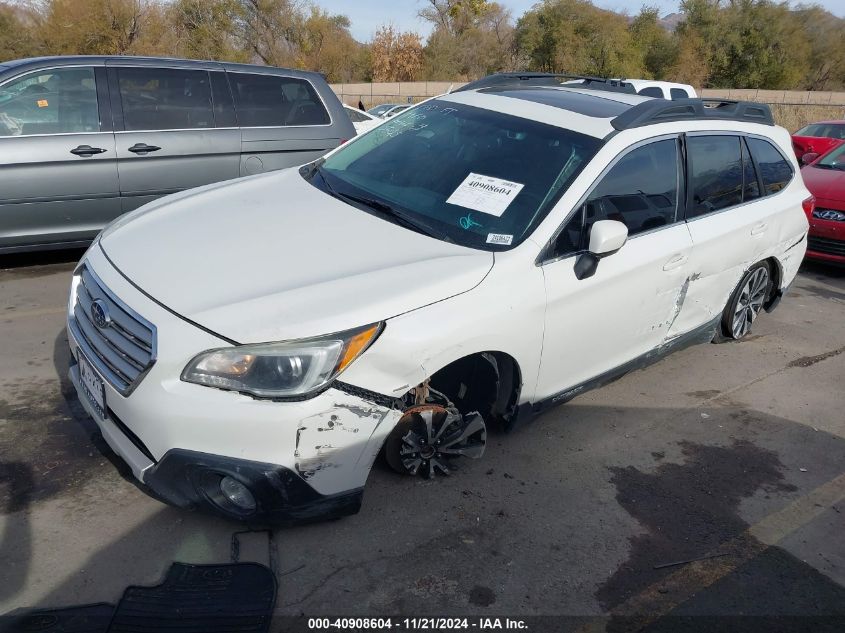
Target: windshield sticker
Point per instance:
(467, 222)
(485, 193)
(498, 238)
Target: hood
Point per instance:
(271, 258)
(825, 184)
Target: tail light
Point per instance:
(809, 205)
(343, 140)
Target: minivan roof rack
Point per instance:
(530, 79)
(661, 111)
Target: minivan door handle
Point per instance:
(759, 229)
(143, 148)
(675, 262)
(87, 150)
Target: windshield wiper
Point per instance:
(382, 207)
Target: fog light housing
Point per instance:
(237, 494)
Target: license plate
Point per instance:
(92, 384)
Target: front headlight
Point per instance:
(281, 370)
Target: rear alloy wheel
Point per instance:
(429, 437)
(746, 303)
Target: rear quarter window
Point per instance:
(276, 101)
(774, 169)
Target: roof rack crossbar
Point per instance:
(660, 111)
(528, 79)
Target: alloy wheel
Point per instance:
(750, 302)
(434, 436)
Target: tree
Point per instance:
(825, 35)
(470, 39)
(657, 48)
(205, 29)
(96, 27)
(328, 46)
(396, 56)
(16, 39)
(573, 36)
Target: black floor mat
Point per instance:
(89, 618)
(200, 599)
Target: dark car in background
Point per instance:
(817, 139)
(85, 139)
(825, 178)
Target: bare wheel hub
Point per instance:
(429, 437)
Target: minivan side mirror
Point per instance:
(606, 237)
(808, 158)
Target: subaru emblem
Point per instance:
(100, 314)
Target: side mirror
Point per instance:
(606, 237)
(809, 157)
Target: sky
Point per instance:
(368, 15)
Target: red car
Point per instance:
(818, 138)
(825, 178)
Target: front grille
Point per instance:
(125, 348)
(826, 246)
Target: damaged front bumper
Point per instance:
(321, 467)
(298, 459)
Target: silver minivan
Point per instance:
(85, 139)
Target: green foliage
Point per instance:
(717, 43)
(576, 37)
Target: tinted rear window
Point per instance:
(716, 173)
(679, 93)
(271, 101)
(165, 99)
(774, 168)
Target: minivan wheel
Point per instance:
(428, 438)
(745, 303)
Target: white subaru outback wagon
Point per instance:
(251, 347)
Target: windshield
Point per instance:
(476, 177)
(833, 160)
(823, 130)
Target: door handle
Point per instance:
(759, 229)
(143, 148)
(87, 150)
(676, 262)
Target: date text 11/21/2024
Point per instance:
(417, 624)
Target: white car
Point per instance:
(389, 110)
(662, 89)
(362, 121)
(645, 87)
(250, 347)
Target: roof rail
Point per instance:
(661, 111)
(529, 79)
